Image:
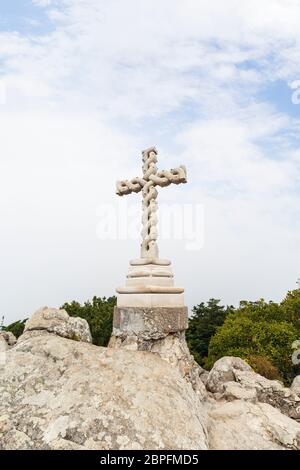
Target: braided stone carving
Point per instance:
(151, 178)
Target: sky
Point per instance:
(86, 85)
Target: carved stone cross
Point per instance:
(147, 184)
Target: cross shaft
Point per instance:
(147, 184)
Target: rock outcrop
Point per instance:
(159, 330)
(7, 340)
(173, 349)
(58, 391)
(249, 411)
(232, 379)
(242, 425)
(52, 320)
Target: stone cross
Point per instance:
(147, 184)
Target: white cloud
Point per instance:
(42, 3)
(173, 52)
(114, 77)
(33, 22)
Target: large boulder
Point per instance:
(52, 320)
(223, 371)
(232, 379)
(241, 425)
(62, 394)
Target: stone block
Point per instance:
(149, 322)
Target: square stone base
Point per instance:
(149, 323)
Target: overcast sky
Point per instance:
(86, 85)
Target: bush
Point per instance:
(203, 325)
(16, 328)
(98, 314)
(257, 329)
(291, 307)
(264, 367)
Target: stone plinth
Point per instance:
(159, 330)
(151, 316)
(149, 323)
(150, 284)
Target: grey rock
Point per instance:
(232, 378)
(241, 425)
(295, 387)
(224, 370)
(149, 323)
(203, 375)
(172, 348)
(59, 394)
(62, 394)
(8, 338)
(57, 322)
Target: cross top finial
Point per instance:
(147, 184)
(145, 153)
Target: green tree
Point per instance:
(291, 307)
(202, 326)
(99, 315)
(16, 328)
(257, 329)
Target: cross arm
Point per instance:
(165, 178)
(130, 186)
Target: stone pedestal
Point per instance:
(144, 324)
(151, 316)
(149, 284)
(159, 330)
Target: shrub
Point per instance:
(264, 367)
(99, 315)
(16, 328)
(257, 329)
(202, 326)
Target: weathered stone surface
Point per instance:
(203, 375)
(295, 387)
(58, 322)
(9, 339)
(158, 330)
(173, 349)
(233, 379)
(235, 391)
(3, 348)
(61, 394)
(149, 323)
(224, 371)
(240, 425)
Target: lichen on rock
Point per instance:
(57, 321)
(58, 394)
